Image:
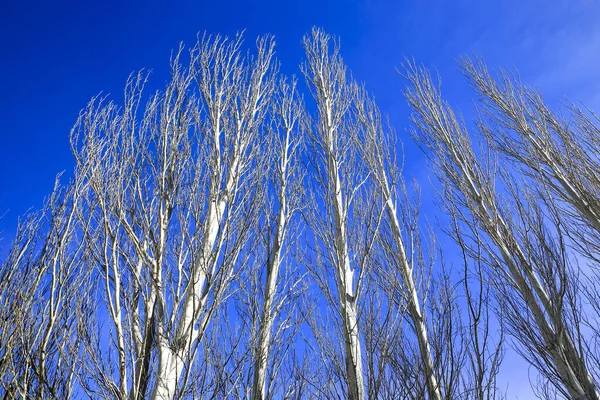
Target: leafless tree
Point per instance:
(284, 182)
(218, 240)
(173, 205)
(404, 252)
(44, 291)
(560, 153)
(533, 278)
(342, 219)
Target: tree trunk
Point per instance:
(345, 275)
(414, 308)
(266, 321)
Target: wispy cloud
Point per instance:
(554, 44)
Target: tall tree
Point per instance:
(344, 219)
(532, 271)
(284, 181)
(174, 203)
(379, 152)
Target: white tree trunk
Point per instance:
(354, 370)
(169, 369)
(264, 335)
(414, 307)
(345, 275)
(172, 355)
(267, 317)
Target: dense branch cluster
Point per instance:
(225, 238)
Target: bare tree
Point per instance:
(173, 196)
(379, 152)
(285, 184)
(343, 220)
(534, 286)
(176, 263)
(560, 153)
(44, 290)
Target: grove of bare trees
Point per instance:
(240, 233)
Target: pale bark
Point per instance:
(414, 308)
(561, 154)
(267, 318)
(384, 170)
(440, 132)
(247, 101)
(43, 289)
(326, 73)
(284, 146)
(172, 202)
(347, 297)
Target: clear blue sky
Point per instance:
(54, 56)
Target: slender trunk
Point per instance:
(261, 356)
(354, 372)
(421, 331)
(142, 365)
(41, 370)
(558, 341)
(414, 307)
(555, 347)
(266, 323)
(345, 274)
(558, 338)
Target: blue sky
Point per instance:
(56, 55)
